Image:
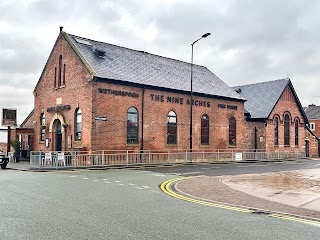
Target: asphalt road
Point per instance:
(123, 204)
(238, 168)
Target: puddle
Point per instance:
(296, 188)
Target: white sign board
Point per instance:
(238, 156)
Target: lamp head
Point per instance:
(205, 35)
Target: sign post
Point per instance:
(9, 119)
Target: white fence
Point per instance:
(131, 158)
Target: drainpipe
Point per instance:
(142, 123)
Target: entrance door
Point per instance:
(307, 148)
(59, 141)
(58, 135)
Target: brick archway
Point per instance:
(58, 116)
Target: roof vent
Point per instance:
(238, 90)
(99, 51)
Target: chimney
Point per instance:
(61, 29)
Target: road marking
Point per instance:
(205, 168)
(158, 175)
(121, 184)
(85, 178)
(73, 176)
(146, 187)
(165, 187)
(117, 181)
(132, 184)
(107, 182)
(138, 188)
(154, 191)
(104, 179)
(216, 167)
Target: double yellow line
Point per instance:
(166, 188)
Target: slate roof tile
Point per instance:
(262, 97)
(312, 112)
(139, 67)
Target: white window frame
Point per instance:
(312, 126)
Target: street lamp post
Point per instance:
(191, 92)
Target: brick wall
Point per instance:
(286, 104)
(249, 135)
(76, 92)
(111, 134)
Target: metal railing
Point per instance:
(108, 158)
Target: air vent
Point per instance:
(238, 90)
(99, 51)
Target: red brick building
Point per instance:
(313, 114)
(97, 96)
(275, 120)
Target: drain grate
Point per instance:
(261, 212)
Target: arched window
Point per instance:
(42, 127)
(205, 129)
(276, 131)
(296, 132)
(232, 131)
(78, 124)
(286, 130)
(55, 77)
(64, 75)
(60, 71)
(172, 128)
(132, 125)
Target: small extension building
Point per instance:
(313, 114)
(275, 120)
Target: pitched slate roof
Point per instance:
(138, 67)
(312, 112)
(262, 97)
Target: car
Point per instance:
(3, 160)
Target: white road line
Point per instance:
(132, 184)
(121, 184)
(216, 167)
(205, 168)
(138, 188)
(107, 182)
(104, 179)
(117, 181)
(158, 175)
(154, 191)
(73, 176)
(85, 178)
(146, 187)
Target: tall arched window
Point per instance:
(232, 131)
(172, 128)
(78, 124)
(42, 127)
(205, 129)
(55, 77)
(132, 125)
(296, 132)
(276, 131)
(64, 75)
(60, 71)
(286, 130)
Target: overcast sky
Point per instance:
(251, 41)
